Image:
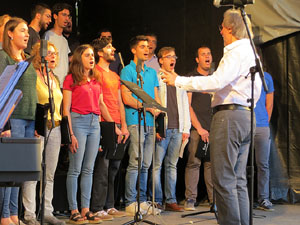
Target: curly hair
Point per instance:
(37, 61)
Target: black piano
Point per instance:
(20, 160)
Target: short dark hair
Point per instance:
(39, 8)
(135, 40)
(104, 30)
(98, 45)
(60, 7)
(201, 46)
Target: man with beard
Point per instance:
(105, 170)
(115, 65)
(177, 131)
(61, 14)
(201, 115)
(41, 18)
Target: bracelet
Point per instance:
(71, 135)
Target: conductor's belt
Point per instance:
(230, 107)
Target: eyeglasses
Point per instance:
(171, 57)
(49, 53)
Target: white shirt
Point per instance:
(61, 43)
(228, 83)
(182, 105)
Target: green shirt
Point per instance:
(27, 84)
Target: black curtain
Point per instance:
(281, 60)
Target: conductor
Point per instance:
(230, 128)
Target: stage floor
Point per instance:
(283, 214)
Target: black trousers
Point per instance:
(104, 175)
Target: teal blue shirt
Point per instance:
(150, 81)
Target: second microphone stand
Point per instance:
(48, 106)
(252, 70)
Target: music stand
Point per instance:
(147, 102)
(9, 98)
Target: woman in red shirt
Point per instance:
(83, 104)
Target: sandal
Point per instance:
(77, 219)
(92, 218)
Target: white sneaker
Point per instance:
(148, 208)
(132, 209)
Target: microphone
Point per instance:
(138, 71)
(139, 66)
(237, 3)
(43, 49)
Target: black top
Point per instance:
(173, 117)
(201, 104)
(116, 65)
(34, 37)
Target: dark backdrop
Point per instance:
(183, 24)
(186, 24)
(281, 59)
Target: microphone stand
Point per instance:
(253, 70)
(50, 106)
(140, 80)
(212, 209)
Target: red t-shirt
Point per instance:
(85, 97)
(110, 82)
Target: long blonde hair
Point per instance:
(77, 69)
(11, 26)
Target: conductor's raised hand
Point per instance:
(169, 77)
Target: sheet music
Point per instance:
(9, 107)
(9, 98)
(183, 144)
(4, 81)
(9, 78)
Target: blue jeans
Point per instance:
(10, 201)
(167, 150)
(22, 128)
(9, 196)
(262, 153)
(147, 146)
(86, 129)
